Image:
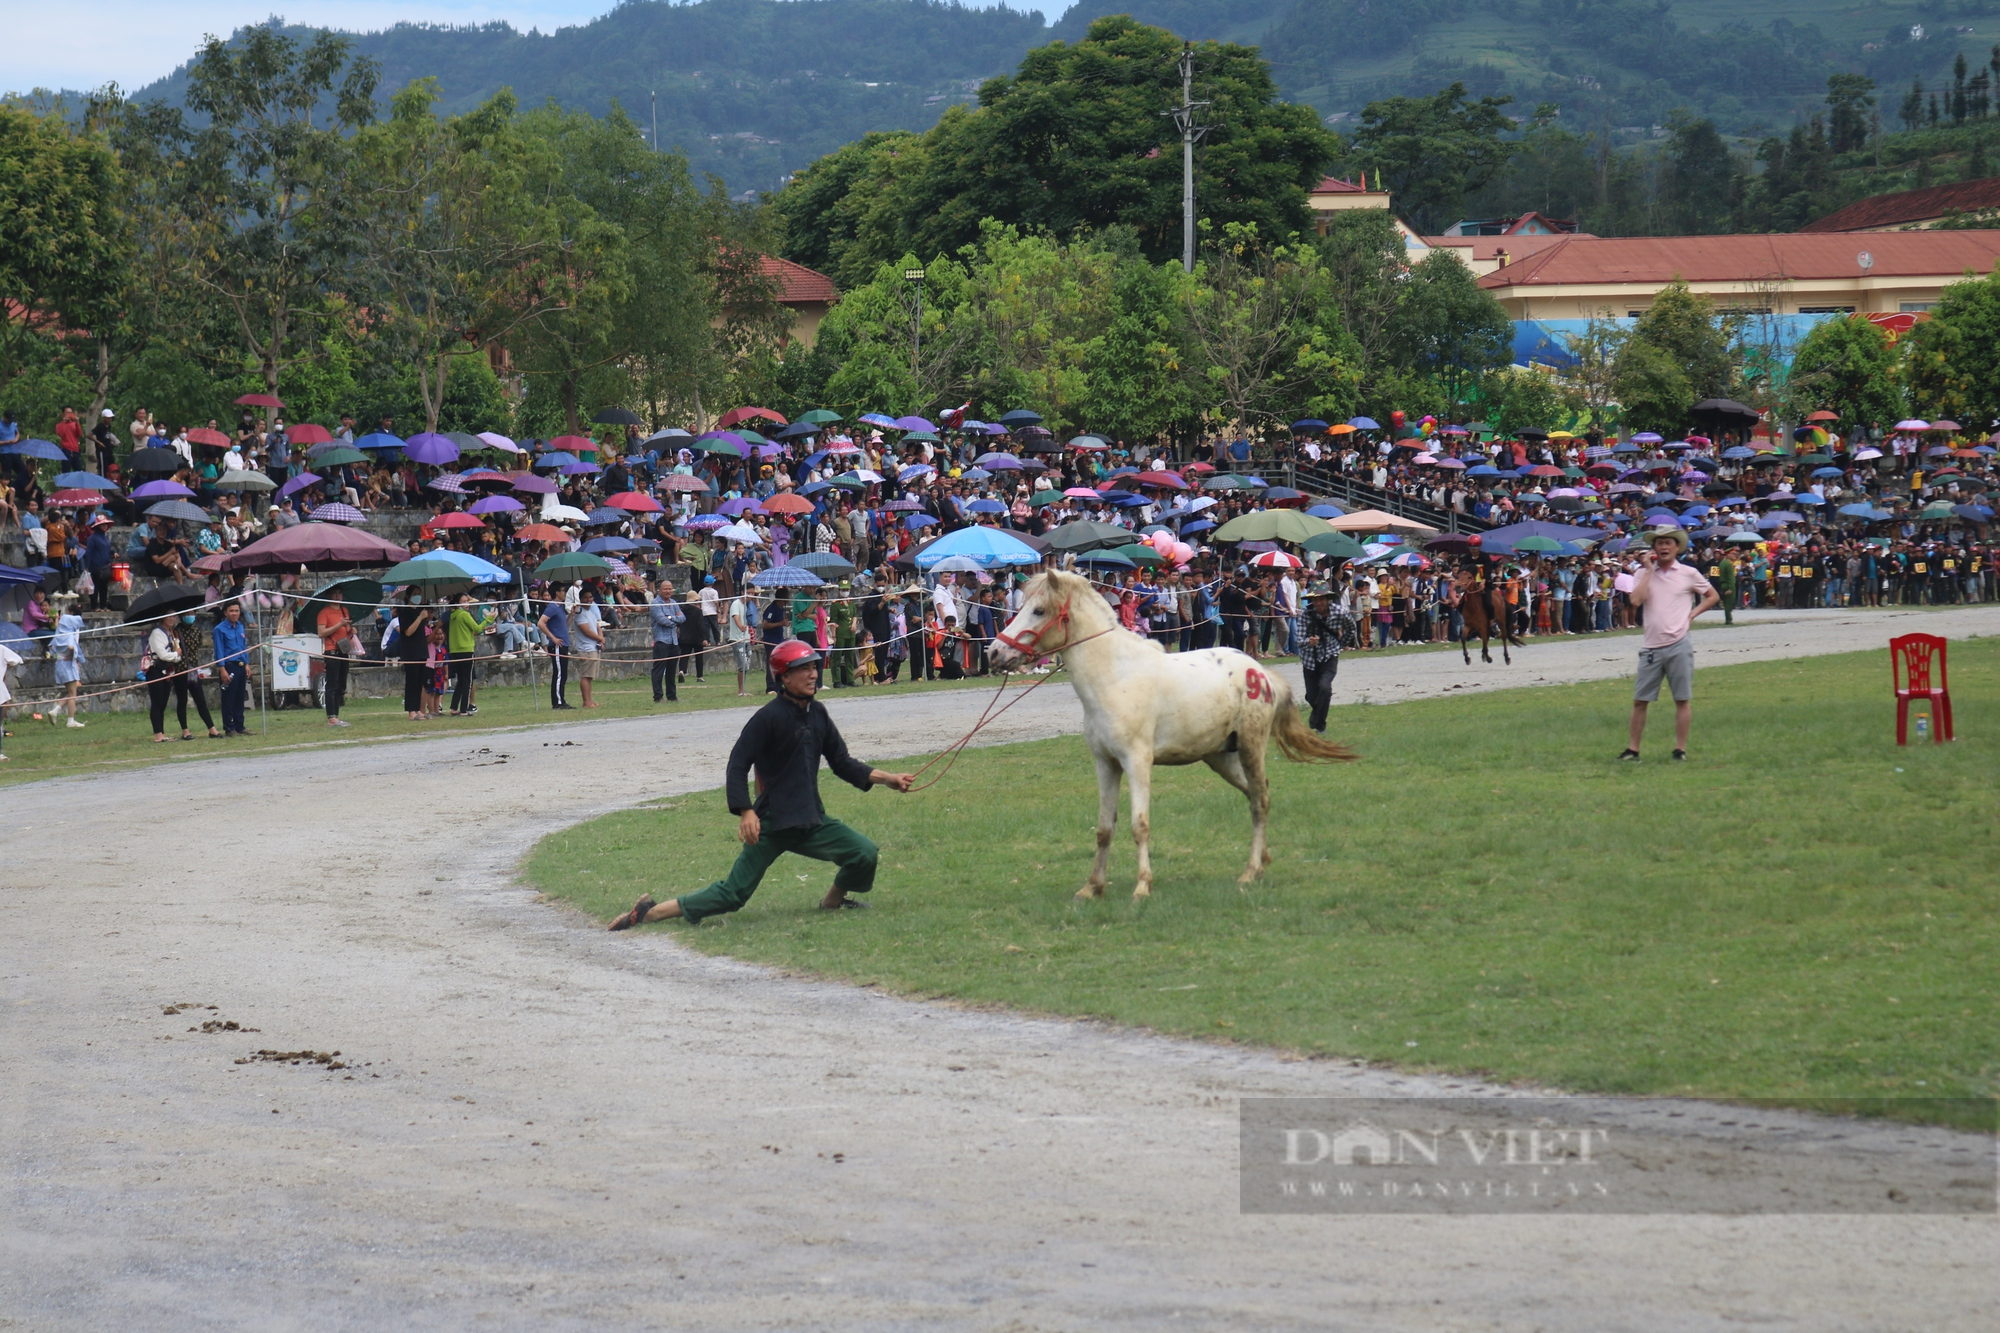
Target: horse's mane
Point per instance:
(1087, 606)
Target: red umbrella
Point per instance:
(575, 444)
(786, 503)
(257, 400)
(74, 498)
(542, 532)
(214, 439)
(634, 502)
(307, 433)
(457, 519)
(1278, 560)
(736, 414)
(1199, 467)
(1158, 479)
(1546, 471)
(1824, 415)
(322, 546)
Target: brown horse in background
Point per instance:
(1483, 608)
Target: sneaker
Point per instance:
(508, 657)
(1629, 757)
(75, 725)
(1680, 756)
(470, 711)
(336, 722)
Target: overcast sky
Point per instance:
(86, 43)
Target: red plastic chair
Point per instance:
(1910, 660)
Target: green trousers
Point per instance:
(832, 841)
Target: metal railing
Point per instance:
(1351, 493)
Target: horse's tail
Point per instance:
(1299, 742)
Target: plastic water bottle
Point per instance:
(1923, 727)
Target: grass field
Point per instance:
(1801, 911)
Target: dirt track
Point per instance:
(545, 1126)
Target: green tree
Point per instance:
(1849, 100)
(1952, 360)
(1590, 380)
(872, 335)
(468, 236)
(1073, 142)
(1138, 381)
(1652, 388)
(64, 240)
(1522, 399)
(1449, 329)
(1432, 151)
(1700, 177)
(1848, 366)
(264, 180)
(1686, 327)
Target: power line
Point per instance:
(1191, 133)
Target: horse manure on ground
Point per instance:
(325, 1059)
(219, 1025)
(171, 1009)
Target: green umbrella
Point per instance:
(1936, 509)
(1266, 525)
(1538, 544)
(1040, 498)
(439, 575)
(749, 436)
(236, 479)
(339, 457)
(1744, 538)
(1087, 534)
(1138, 553)
(572, 567)
(467, 443)
(1816, 460)
(1572, 472)
(919, 435)
(819, 416)
(1335, 545)
(1227, 481)
(358, 594)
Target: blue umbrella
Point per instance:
(974, 474)
(1309, 423)
(1364, 423)
(1199, 525)
(42, 449)
(1327, 510)
(983, 546)
(1483, 470)
(606, 514)
(478, 570)
(1737, 452)
(986, 507)
(1108, 558)
(1808, 498)
(1858, 510)
(786, 576)
(1624, 447)
(1976, 512)
(1826, 472)
(601, 545)
(556, 459)
(815, 487)
(1020, 416)
(815, 458)
(912, 472)
(918, 520)
(83, 481)
(380, 439)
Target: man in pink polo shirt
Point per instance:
(1671, 594)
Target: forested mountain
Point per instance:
(754, 89)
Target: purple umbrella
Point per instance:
(496, 504)
(742, 504)
(913, 423)
(162, 490)
(530, 484)
(708, 521)
(297, 484)
(337, 513)
(999, 462)
(430, 448)
(579, 469)
(448, 483)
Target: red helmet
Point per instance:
(791, 653)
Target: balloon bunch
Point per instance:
(1171, 549)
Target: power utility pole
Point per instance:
(656, 121)
(1183, 118)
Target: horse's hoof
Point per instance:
(1142, 892)
(1089, 891)
(1250, 876)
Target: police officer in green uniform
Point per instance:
(783, 744)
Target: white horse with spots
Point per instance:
(1144, 706)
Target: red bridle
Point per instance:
(1027, 642)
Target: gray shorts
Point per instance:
(745, 654)
(1673, 664)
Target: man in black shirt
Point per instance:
(782, 744)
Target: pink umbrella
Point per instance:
(457, 520)
(319, 546)
(1082, 493)
(681, 481)
(634, 502)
